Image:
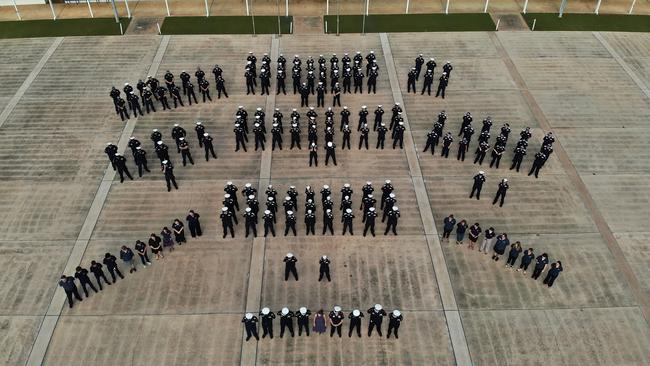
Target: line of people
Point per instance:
(498, 244)
(178, 133)
(396, 125)
(467, 131)
(335, 319)
(414, 75)
(152, 89)
(228, 215)
(156, 244)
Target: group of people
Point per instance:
(152, 89)
(467, 131)
(414, 75)
(156, 244)
(387, 205)
(335, 319)
(396, 127)
(498, 244)
(316, 80)
(178, 133)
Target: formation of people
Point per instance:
(498, 244)
(157, 244)
(251, 214)
(320, 322)
(179, 135)
(483, 144)
(345, 127)
(414, 75)
(152, 89)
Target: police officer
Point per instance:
(462, 148)
(267, 322)
(447, 69)
(226, 222)
(168, 170)
(479, 179)
(346, 203)
(221, 87)
(208, 146)
(389, 202)
(525, 134)
(381, 135)
(501, 192)
(432, 141)
(239, 137)
(204, 87)
(286, 321)
(347, 220)
(290, 266)
(190, 93)
(133, 144)
(96, 269)
(538, 163)
(363, 137)
(419, 61)
(141, 160)
(121, 107)
(161, 93)
(200, 75)
(269, 220)
(281, 76)
(328, 221)
(541, 262)
(372, 80)
(250, 324)
(70, 288)
(134, 102)
(251, 221)
(120, 164)
(81, 274)
(428, 81)
(290, 223)
(229, 203)
(398, 132)
(177, 133)
(111, 151)
(446, 144)
(194, 224)
(185, 79)
(115, 94)
(185, 151)
(147, 100)
(320, 95)
(111, 265)
(377, 314)
(310, 222)
(370, 217)
(442, 85)
(413, 75)
(336, 317)
(386, 190)
(232, 189)
(250, 81)
(358, 82)
(324, 269)
(176, 95)
(393, 216)
(347, 78)
(355, 322)
(295, 76)
(303, 320)
(520, 152)
(330, 152)
(169, 80)
(304, 95)
(260, 138)
(394, 321)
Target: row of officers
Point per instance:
(466, 133)
(388, 204)
(319, 323)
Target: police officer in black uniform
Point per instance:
(185, 151)
(141, 160)
(269, 220)
(134, 102)
(221, 87)
(347, 219)
(120, 164)
(370, 217)
(446, 144)
(96, 269)
(267, 322)
(479, 179)
(239, 137)
(428, 81)
(336, 321)
(190, 93)
(303, 320)
(393, 216)
(442, 85)
(412, 76)
(501, 192)
(290, 266)
(324, 269)
(208, 146)
(394, 321)
(538, 163)
(377, 314)
(161, 93)
(81, 274)
(226, 222)
(355, 322)
(111, 265)
(250, 324)
(286, 321)
(518, 157)
(70, 288)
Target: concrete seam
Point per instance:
(13, 102)
(44, 336)
(456, 332)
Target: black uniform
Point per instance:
(442, 85)
(267, 324)
(111, 265)
(393, 216)
(347, 219)
(185, 152)
(141, 161)
(336, 319)
(286, 321)
(190, 94)
(269, 220)
(96, 269)
(413, 75)
(290, 267)
(479, 179)
(369, 218)
(324, 270)
(209, 147)
(393, 324)
(168, 170)
(70, 289)
(303, 322)
(355, 323)
(251, 327)
(81, 274)
(446, 144)
(194, 224)
(538, 163)
(501, 193)
(376, 318)
(120, 164)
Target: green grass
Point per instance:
(225, 25)
(376, 23)
(589, 22)
(62, 27)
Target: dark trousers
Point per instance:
(143, 166)
(328, 156)
(226, 228)
(501, 195)
(391, 225)
(250, 226)
(328, 225)
(446, 233)
(549, 280)
(187, 156)
(287, 325)
(290, 270)
(511, 261)
(209, 150)
(69, 294)
(524, 266)
(394, 329)
(313, 157)
(537, 272)
(477, 189)
(84, 283)
(441, 92)
(303, 324)
(411, 85)
(113, 271)
(144, 258)
(267, 329)
(363, 140)
(355, 324)
(268, 227)
(171, 180)
(221, 90)
(251, 332)
(149, 104)
(347, 226)
(292, 227)
(98, 277)
(206, 94)
(195, 230)
(190, 95)
(369, 226)
(371, 326)
(427, 146)
(337, 329)
(380, 142)
(337, 100)
(123, 170)
(325, 273)
(516, 163)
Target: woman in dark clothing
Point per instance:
(555, 270)
(319, 322)
(500, 246)
(156, 246)
(179, 231)
(541, 263)
(526, 259)
(461, 227)
(474, 232)
(168, 242)
(515, 249)
(194, 224)
(141, 249)
(449, 223)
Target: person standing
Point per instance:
(81, 274)
(250, 324)
(194, 224)
(96, 269)
(526, 258)
(355, 322)
(70, 288)
(267, 322)
(179, 232)
(479, 179)
(501, 192)
(155, 243)
(448, 225)
(500, 246)
(336, 321)
(541, 262)
(488, 241)
(394, 321)
(290, 266)
(286, 321)
(168, 242)
(515, 249)
(324, 270)
(320, 325)
(111, 265)
(377, 314)
(553, 273)
(141, 249)
(126, 255)
(461, 228)
(474, 232)
(303, 320)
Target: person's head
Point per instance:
(518, 245)
(107, 255)
(320, 312)
(530, 250)
(462, 222)
(63, 277)
(123, 247)
(544, 255)
(93, 262)
(451, 216)
(165, 228)
(78, 268)
(476, 224)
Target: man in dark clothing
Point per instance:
(81, 274)
(324, 269)
(67, 282)
(96, 269)
(194, 224)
